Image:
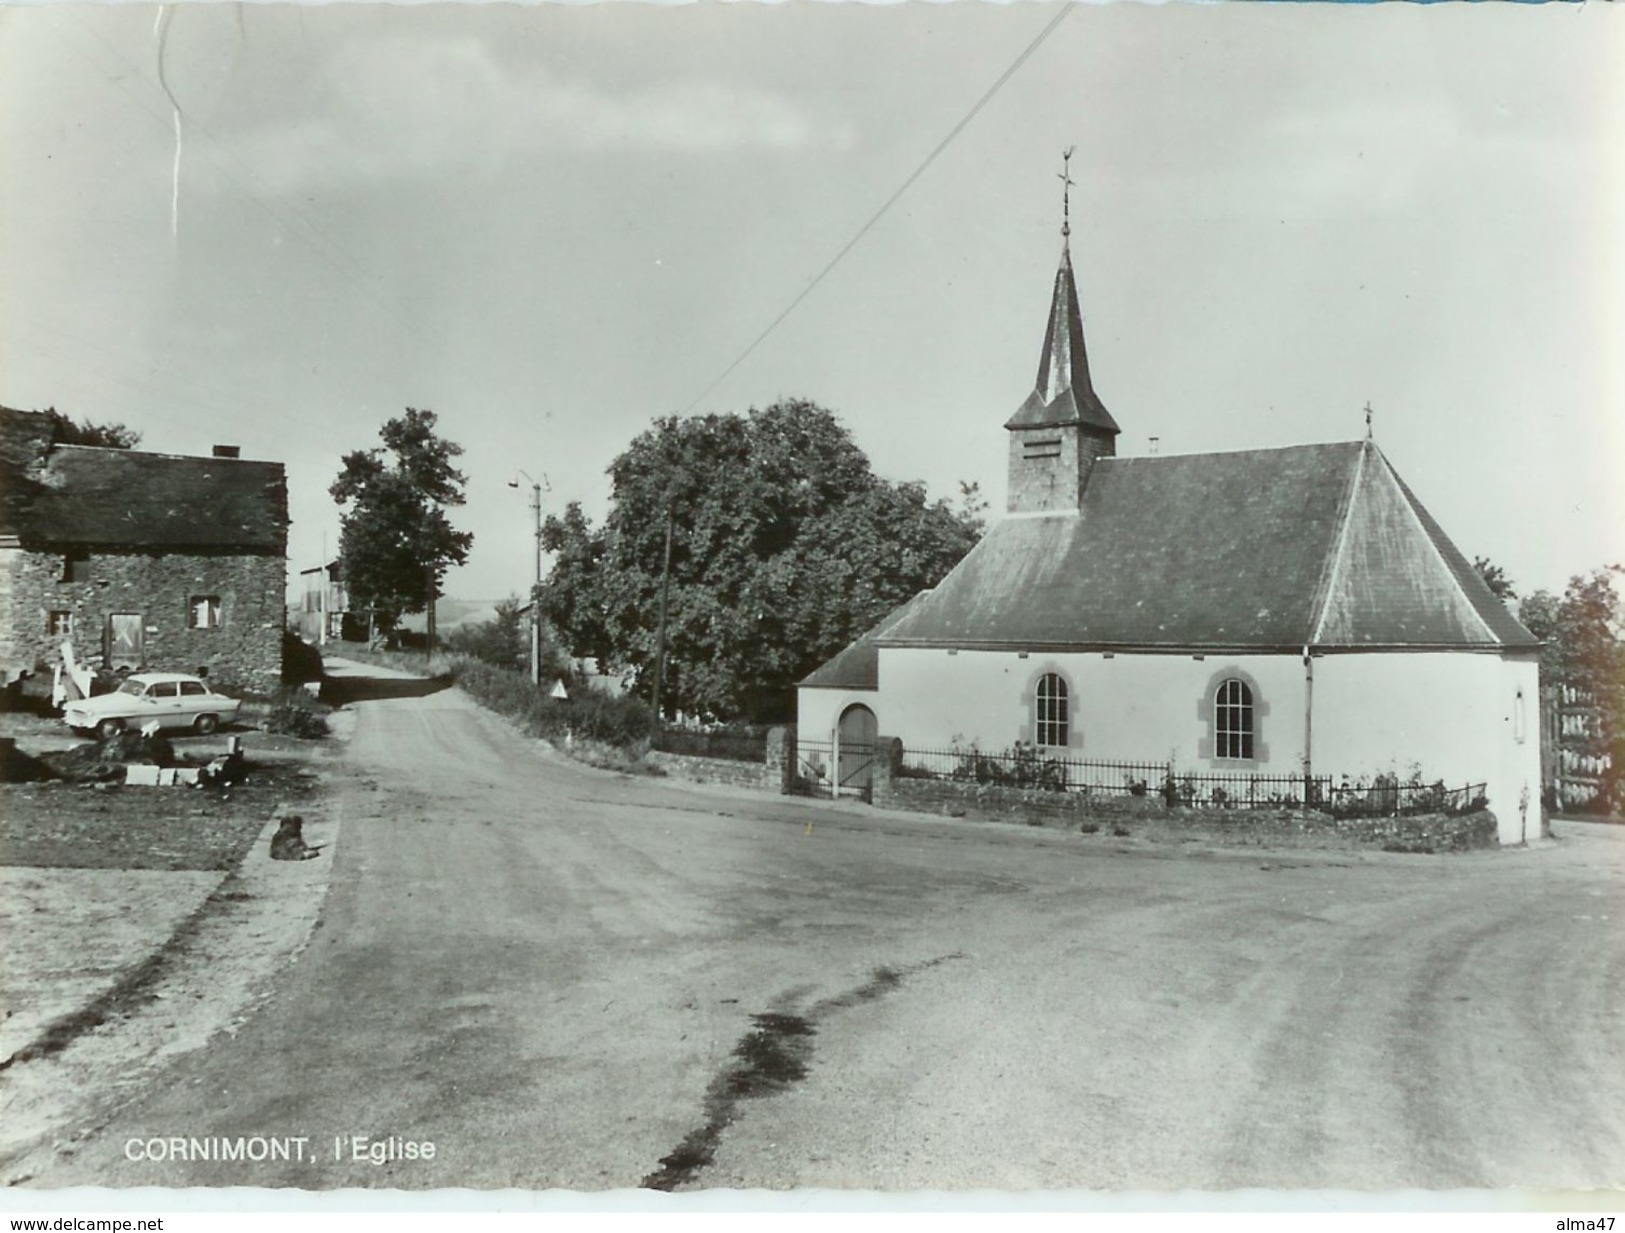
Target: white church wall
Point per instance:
(1462, 718)
(1516, 781)
(932, 699)
(819, 710)
(1124, 707)
(1452, 716)
(1132, 700)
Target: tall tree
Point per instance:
(1584, 632)
(395, 541)
(784, 547)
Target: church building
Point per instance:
(1274, 612)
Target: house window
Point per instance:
(59, 623)
(76, 566)
(1233, 720)
(1051, 716)
(203, 612)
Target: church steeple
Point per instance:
(1064, 392)
(1062, 427)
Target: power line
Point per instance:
(1065, 8)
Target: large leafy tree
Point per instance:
(395, 541)
(1585, 650)
(784, 546)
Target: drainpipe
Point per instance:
(1308, 724)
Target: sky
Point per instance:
(278, 226)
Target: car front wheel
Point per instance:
(205, 724)
(109, 728)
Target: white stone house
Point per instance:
(1279, 612)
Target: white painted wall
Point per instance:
(1453, 716)
(819, 710)
(1125, 707)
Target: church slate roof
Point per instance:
(1315, 545)
(75, 495)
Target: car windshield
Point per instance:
(133, 686)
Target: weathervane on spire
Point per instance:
(1368, 419)
(1066, 192)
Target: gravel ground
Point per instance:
(76, 931)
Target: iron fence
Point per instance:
(1242, 791)
(1027, 766)
(1383, 796)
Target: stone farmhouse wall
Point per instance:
(243, 652)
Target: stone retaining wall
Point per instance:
(768, 776)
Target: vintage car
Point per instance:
(170, 699)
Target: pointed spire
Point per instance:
(1064, 394)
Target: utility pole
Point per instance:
(535, 591)
(660, 633)
(428, 625)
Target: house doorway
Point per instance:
(855, 743)
(125, 641)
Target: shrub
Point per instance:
(294, 713)
(503, 641)
(615, 719)
(1020, 766)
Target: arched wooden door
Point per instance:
(855, 742)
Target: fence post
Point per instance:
(781, 758)
(888, 757)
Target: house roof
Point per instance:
(1315, 545)
(1064, 392)
(87, 495)
(858, 666)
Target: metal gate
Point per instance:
(827, 771)
(844, 766)
(815, 769)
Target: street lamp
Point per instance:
(535, 613)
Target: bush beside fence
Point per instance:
(1150, 817)
(1025, 767)
(613, 719)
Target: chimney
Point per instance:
(228, 451)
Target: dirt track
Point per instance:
(546, 971)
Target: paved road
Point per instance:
(551, 973)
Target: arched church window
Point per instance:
(1233, 720)
(1051, 714)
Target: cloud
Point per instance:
(404, 107)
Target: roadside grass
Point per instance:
(421, 662)
(111, 826)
